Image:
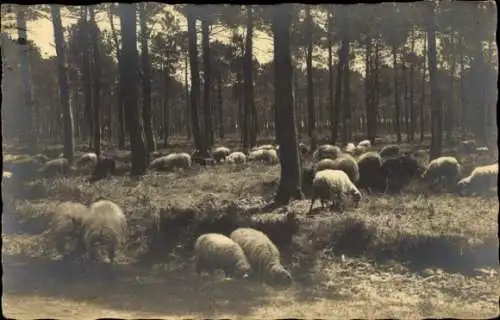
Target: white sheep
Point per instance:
(171, 161)
(104, 229)
(349, 165)
(481, 180)
(482, 150)
(236, 158)
(325, 164)
(333, 185)
(87, 159)
(220, 153)
(262, 254)
(359, 150)
(214, 251)
(264, 147)
(269, 156)
(445, 171)
(326, 151)
(66, 228)
(350, 148)
(365, 144)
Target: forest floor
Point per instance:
(411, 255)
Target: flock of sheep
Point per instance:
(333, 175)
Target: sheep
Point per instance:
(236, 158)
(104, 167)
(6, 175)
(104, 225)
(59, 166)
(333, 185)
(41, 158)
(220, 153)
(399, 171)
(481, 180)
(171, 161)
(325, 164)
(262, 254)
(349, 165)
(482, 150)
(359, 150)
(88, 159)
(216, 251)
(350, 148)
(269, 156)
(389, 151)
(264, 147)
(446, 170)
(365, 144)
(303, 148)
(370, 172)
(66, 228)
(326, 151)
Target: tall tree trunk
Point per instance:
(209, 135)
(69, 138)
(290, 179)
(338, 98)
(310, 84)
(96, 91)
(371, 116)
(331, 102)
(406, 94)
(130, 66)
(166, 122)
(195, 82)
(26, 115)
(450, 110)
(376, 91)
(346, 106)
(411, 137)
(248, 75)
(436, 116)
(86, 75)
(422, 102)
(220, 104)
(186, 87)
(146, 80)
(397, 116)
(463, 110)
(297, 104)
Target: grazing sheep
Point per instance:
(104, 229)
(370, 172)
(349, 165)
(59, 166)
(480, 181)
(399, 171)
(446, 170)
(333, 185)
(262, 254)
(269, 156)
(467, 146)
(365, 144)
(87, 159)
(66, 228)
(325, 164)
(214, 251)
(220, 153)
(326, 151)
(104, 167)
(173, 160)
(389, 151)
(359, 150)
(264, 147)
(350, 148)
(236, 158)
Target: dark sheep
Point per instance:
(389, 151)
(399, 171)
(105, 167)
(370, 172)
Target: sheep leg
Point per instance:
(311, 207)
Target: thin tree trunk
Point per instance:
(220, 104)
(130, 66)
(310, 84)
(96, 92)
(422, 103)
(450, 112)
(186, 86)
(346, 107)
(397, 116)
(290, 179)
(69, 139)
(338, 99)
(86, 75)
(248, 74)
(209, 135)
(412, 91)
(331, 102)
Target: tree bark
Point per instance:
(68, 127)
(207, 72)
(96, 91)
(310, 84)
(290, 180)
(130, 66)
(220, 104)
(422, 103)
(346, 106)
(412, 91)
(248, 75)
(397, 116)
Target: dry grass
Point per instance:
(412, 255)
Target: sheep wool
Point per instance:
(333, 185)
(104, 229)
(220, 153)
(389, 151)
(325, 164)
(365, 144)
(87, 159)
(350, 148)
(370, 172)
(446, 170)
(59, 166)
(66, 227)
(236, 158)
(269, 156)
(349, 165)
(482, 150)
(171, 161)
(264, 147)
(214, 251)
(481, 180)
(468, 146)
(262, 254)
(326, 151)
